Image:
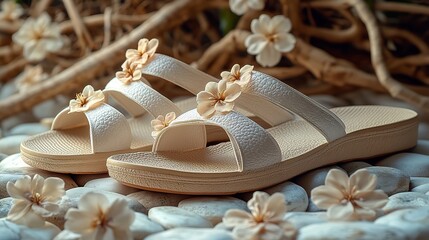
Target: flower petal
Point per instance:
(337, 179)
(79, 221)
(212, 87)
(170, 117)
(223, 107)
(255, 44)
(279, 24)
(37, 184)
(363, 180)
(53, 189)
(256, 4)
(269, 57)
(371, 199)
(152, 46)
(92, 200)
(285, 42)
(247, 232)
(271, 232)
(275, 208)
(15, 192)
(232, 92)
(238, 7)
(206, 109)
(325, 196)
(19, 209)
(120, 215)
(365, 214)
(257, 202)
(341, 212)
(235, 217)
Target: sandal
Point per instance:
(82, 139)
(255, 158)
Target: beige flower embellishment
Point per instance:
(217, 98)
(265, 220)
(131, 71)
(349, 199)
(161, 122)
(270, 38)
(145, 50)
(10, 10)
(88, 99)
(240, 7)
(238, 75)
(96, 218)
(34, 198)
(38, 37)
(30, 77)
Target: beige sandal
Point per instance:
(81, 141)
(254, 158)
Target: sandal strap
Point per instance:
(194, 81)
(253, 146)
(109, 129)
(137, 97)
(267, 87)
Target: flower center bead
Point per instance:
(100, 220)
(36, 198)
(82, 99)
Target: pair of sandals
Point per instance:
(211, 149)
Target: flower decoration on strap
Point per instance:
(266, 220)
(349, 199)
(130, 72)
(87, 100)
(161, 122)
(270, 38)
(145, 50)
(240, 7)
(240, 76)
(34, 198)
(217, 98)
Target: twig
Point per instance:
(401, 7)
(11, 69)
(79, 27)
(395, 88)
(40, 7)
(107, 26)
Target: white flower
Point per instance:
(217, 97)
(98, 219)
(238, 75)
(161, 122)
(30, 77)
(130, 72)
(145, 50)
(270, 38)
(88, 99)
(240, 7)
(265, 220)
(349, 199)
(10, 10)
(34, 198)
(38, 37)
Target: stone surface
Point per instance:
(174, 217)
(412, 164)
(67, 235)
(413, 222)
(390, 180)
(24, 117)
(28, 129)
(422, 147)
(14, 165)
(302, 219)
(156, 199)
(82, 179)
(351, 167)
(192, 234)
(212, 208)
(5, 205)
(312, 207)
(111, 185)
(143, 227)
(12, 231)
(50, 108)
(10, 145)
(407, 200)
(3, 156)
(417, 181)
(423, 131)
(7, 90)
(314, 178)
(421, 189)
(349, 231)
(295, 196)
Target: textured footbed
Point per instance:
(70, 150)
(371, 131)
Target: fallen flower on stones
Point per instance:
(349, 199)
(10, 10)
(96, 218)
(240, 7)
(265, 220)
(34, 198)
